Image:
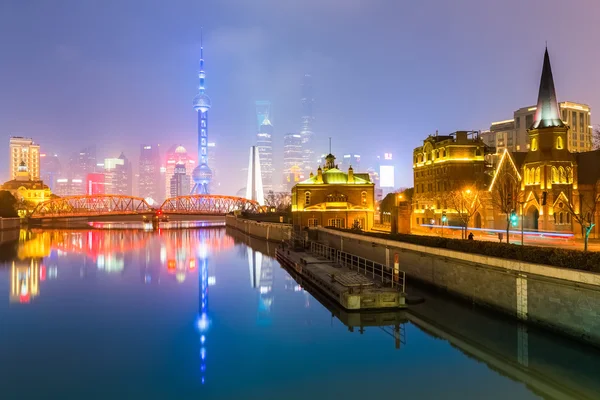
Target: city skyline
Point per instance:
(241, 73)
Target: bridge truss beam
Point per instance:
(91, 205)
(209, 204)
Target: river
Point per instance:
(210, 314)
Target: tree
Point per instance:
(506, 190)
(582, 210)
(7, 205)
(280, 201)
(596, 137)
(465, 201)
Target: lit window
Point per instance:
(312, 222)
(534, 144)
(363, 198)
(559, 142)
(307, 198)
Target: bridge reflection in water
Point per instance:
(548, 364)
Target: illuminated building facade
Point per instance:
(50, 169)
(306, 130)
(292, 160)
(180, 182)
(176, 155)
(334, 198)
(118, 176)
(202, 174)
(512, 134)
(94, 184)
(24, 150)
(24, 189)
(69, 187)
(444, 164)
(149, 173)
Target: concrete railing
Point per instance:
(264, 230)
(10, 223)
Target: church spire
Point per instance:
(547, 114)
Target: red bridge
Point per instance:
(110, 204)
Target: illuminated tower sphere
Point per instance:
(202, 174)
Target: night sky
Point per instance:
(386, 73)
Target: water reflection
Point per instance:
(176, 323)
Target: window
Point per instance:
(581, 125)
(307, 198)
(360, 222)
(534, 144)
(336, 198)
(563, 176)
(555, 178)
(418, 220)
(537, 175)
(336, 222)
(312, 222)
(363, 198)
(574, 121)
(564, 116)
(529, 121)
(559, 142)
(518, 122)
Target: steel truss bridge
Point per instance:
(209, 204)
(111, 204)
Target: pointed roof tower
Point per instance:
(547, 114)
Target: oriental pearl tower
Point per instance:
(202, 173)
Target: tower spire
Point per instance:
(547, 114)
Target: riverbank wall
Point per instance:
(563, 300)
(7, 224)
(274, 232)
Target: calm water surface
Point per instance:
(200, 314)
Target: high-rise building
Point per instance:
(215, 182)
(94, 184)
(180, 182)
(292, 160)
(306, 130)
(351, 160)
(149, 173)
(264, 144)
(202, 174)
(263, 112)
(118, 175)
(83, 163)
(24, 150)
(512, 134)
(69, 187)
(50, 169)
(254, 185)
(176, 155)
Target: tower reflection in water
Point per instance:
(260, 268)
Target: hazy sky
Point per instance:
(386, 72)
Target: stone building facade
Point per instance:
(334, 198)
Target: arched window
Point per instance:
(563, 175)
(569, 175)
(537, 175)
(363, 198)
(555, 178)
(560, 218)
(307, 198)
(534, 144)
(559, 142)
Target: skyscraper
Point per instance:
(24, 150)
(149, 172)
(264, 144)
(50, 169)
(202, 174)
(176, 155)
(263, 112)
(83, 163)
(292, 159)
(254, 186)
(118, 175)
(180, 181)
(306, 130)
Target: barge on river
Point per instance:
(350, 289)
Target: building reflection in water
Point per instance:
(25, 276)
(260, 268)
